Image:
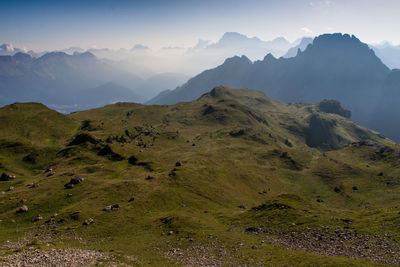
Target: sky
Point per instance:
(55, 24)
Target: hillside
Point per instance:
(334, 66)
(234, 177)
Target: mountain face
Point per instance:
(234, 175)
(334, 66)
(385, 113)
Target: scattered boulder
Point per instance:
(48, 170)
(38, 218)
(2, 192)
(34, 185)
(88, 222)
(69, 186)
(337, 189)
(74, 181)
(380, 174)
(355, 188)
(149, 177)
(178, 164)
(172, 173)
(69, 195)
(111, 207)
(253, 229)
(131, 199)
(6, 177)
(11, 188)
(23, 209)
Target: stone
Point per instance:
(6, 177)
(178, 164)
(88, 222)
(111, 207)
(131, 199)
(23, 209)
(11, 188)
(69, 186)
(149, 177)
(74, 181)
(107, 208)
(38, 218)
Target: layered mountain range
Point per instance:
(72, 82)
(334, 66)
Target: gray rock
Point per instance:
(23, 209)
(6, 177)
(88, 221)
(38, 218)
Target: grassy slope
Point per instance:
(219, 172)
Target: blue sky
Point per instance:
(44, 24)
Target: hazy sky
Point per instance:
(55, 24)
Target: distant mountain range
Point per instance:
(331, 66)
(304, 42)
(72, 82)
(334, 66)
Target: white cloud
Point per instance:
(307, 31)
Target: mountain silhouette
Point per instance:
(335, 66)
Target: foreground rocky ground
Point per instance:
(54, 257)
